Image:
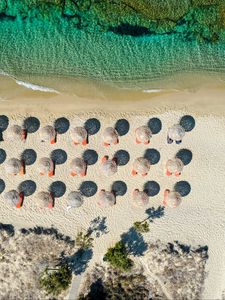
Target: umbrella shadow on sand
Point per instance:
(2, 156)
(90, 157)
(27, 187)
(92, 126)
(88, 188)
(187, 122)
(119, 188)
(61, 125)
(57, 188)
(155, 125)
(183, 188)
(185, 156)
(151, 188)
(152, 155)
(122, 157)
(122, 126)
(31, 124)
(2, 185)
(4, 123)
(29, 157)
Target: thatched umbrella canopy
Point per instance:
(78, 166)
(44, 198)
(14, 132)
(45, 165)
(109, 167)
(75, 199)
(48, 133)
(79, 135)
(140, 198)
(13, 166)
(176, 132)
(110, 136)
(143, 134)
(174, 165)
(173, 200)
(141, 165)
(12, 197)
(106, 199)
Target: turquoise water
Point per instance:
(38, 47)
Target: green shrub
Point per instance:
(54, 281)
(84, 240)
(118, 258)
(141, 226)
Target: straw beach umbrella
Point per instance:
(14, 133)
(141, 166)
(175, 133)
(110, 136)
(14, 198)
(45, 199)
(75, 199)
(171, 199)
(48, 134)
(79, 135)
(109, 166)
(46, 166)
(143, 135)
(14, 166)
(78, 167)
(140, 198)
(106, 199)
(174, 166)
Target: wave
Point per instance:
(36, 87)
(30, 85)
(152, 91)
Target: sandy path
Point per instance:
(75, 287)
(153, 277)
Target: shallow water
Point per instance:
(34, 48)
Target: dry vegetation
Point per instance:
(170, 271)
(180, 269)
(23, 256)
(107, 283)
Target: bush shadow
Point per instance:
(134, 242)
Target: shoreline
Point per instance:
(204, 100)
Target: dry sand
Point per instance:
(199, 220)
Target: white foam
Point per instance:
(36, 87)
(30, 85)
(4, 73)
(152, 91)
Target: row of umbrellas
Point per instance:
(78, 166)
(45, 199)
(79, 135)
(75, 199)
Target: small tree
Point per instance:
(118, 257)
(84, 240)
(141, 227)
(54, 281)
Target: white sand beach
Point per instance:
(199, 220)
